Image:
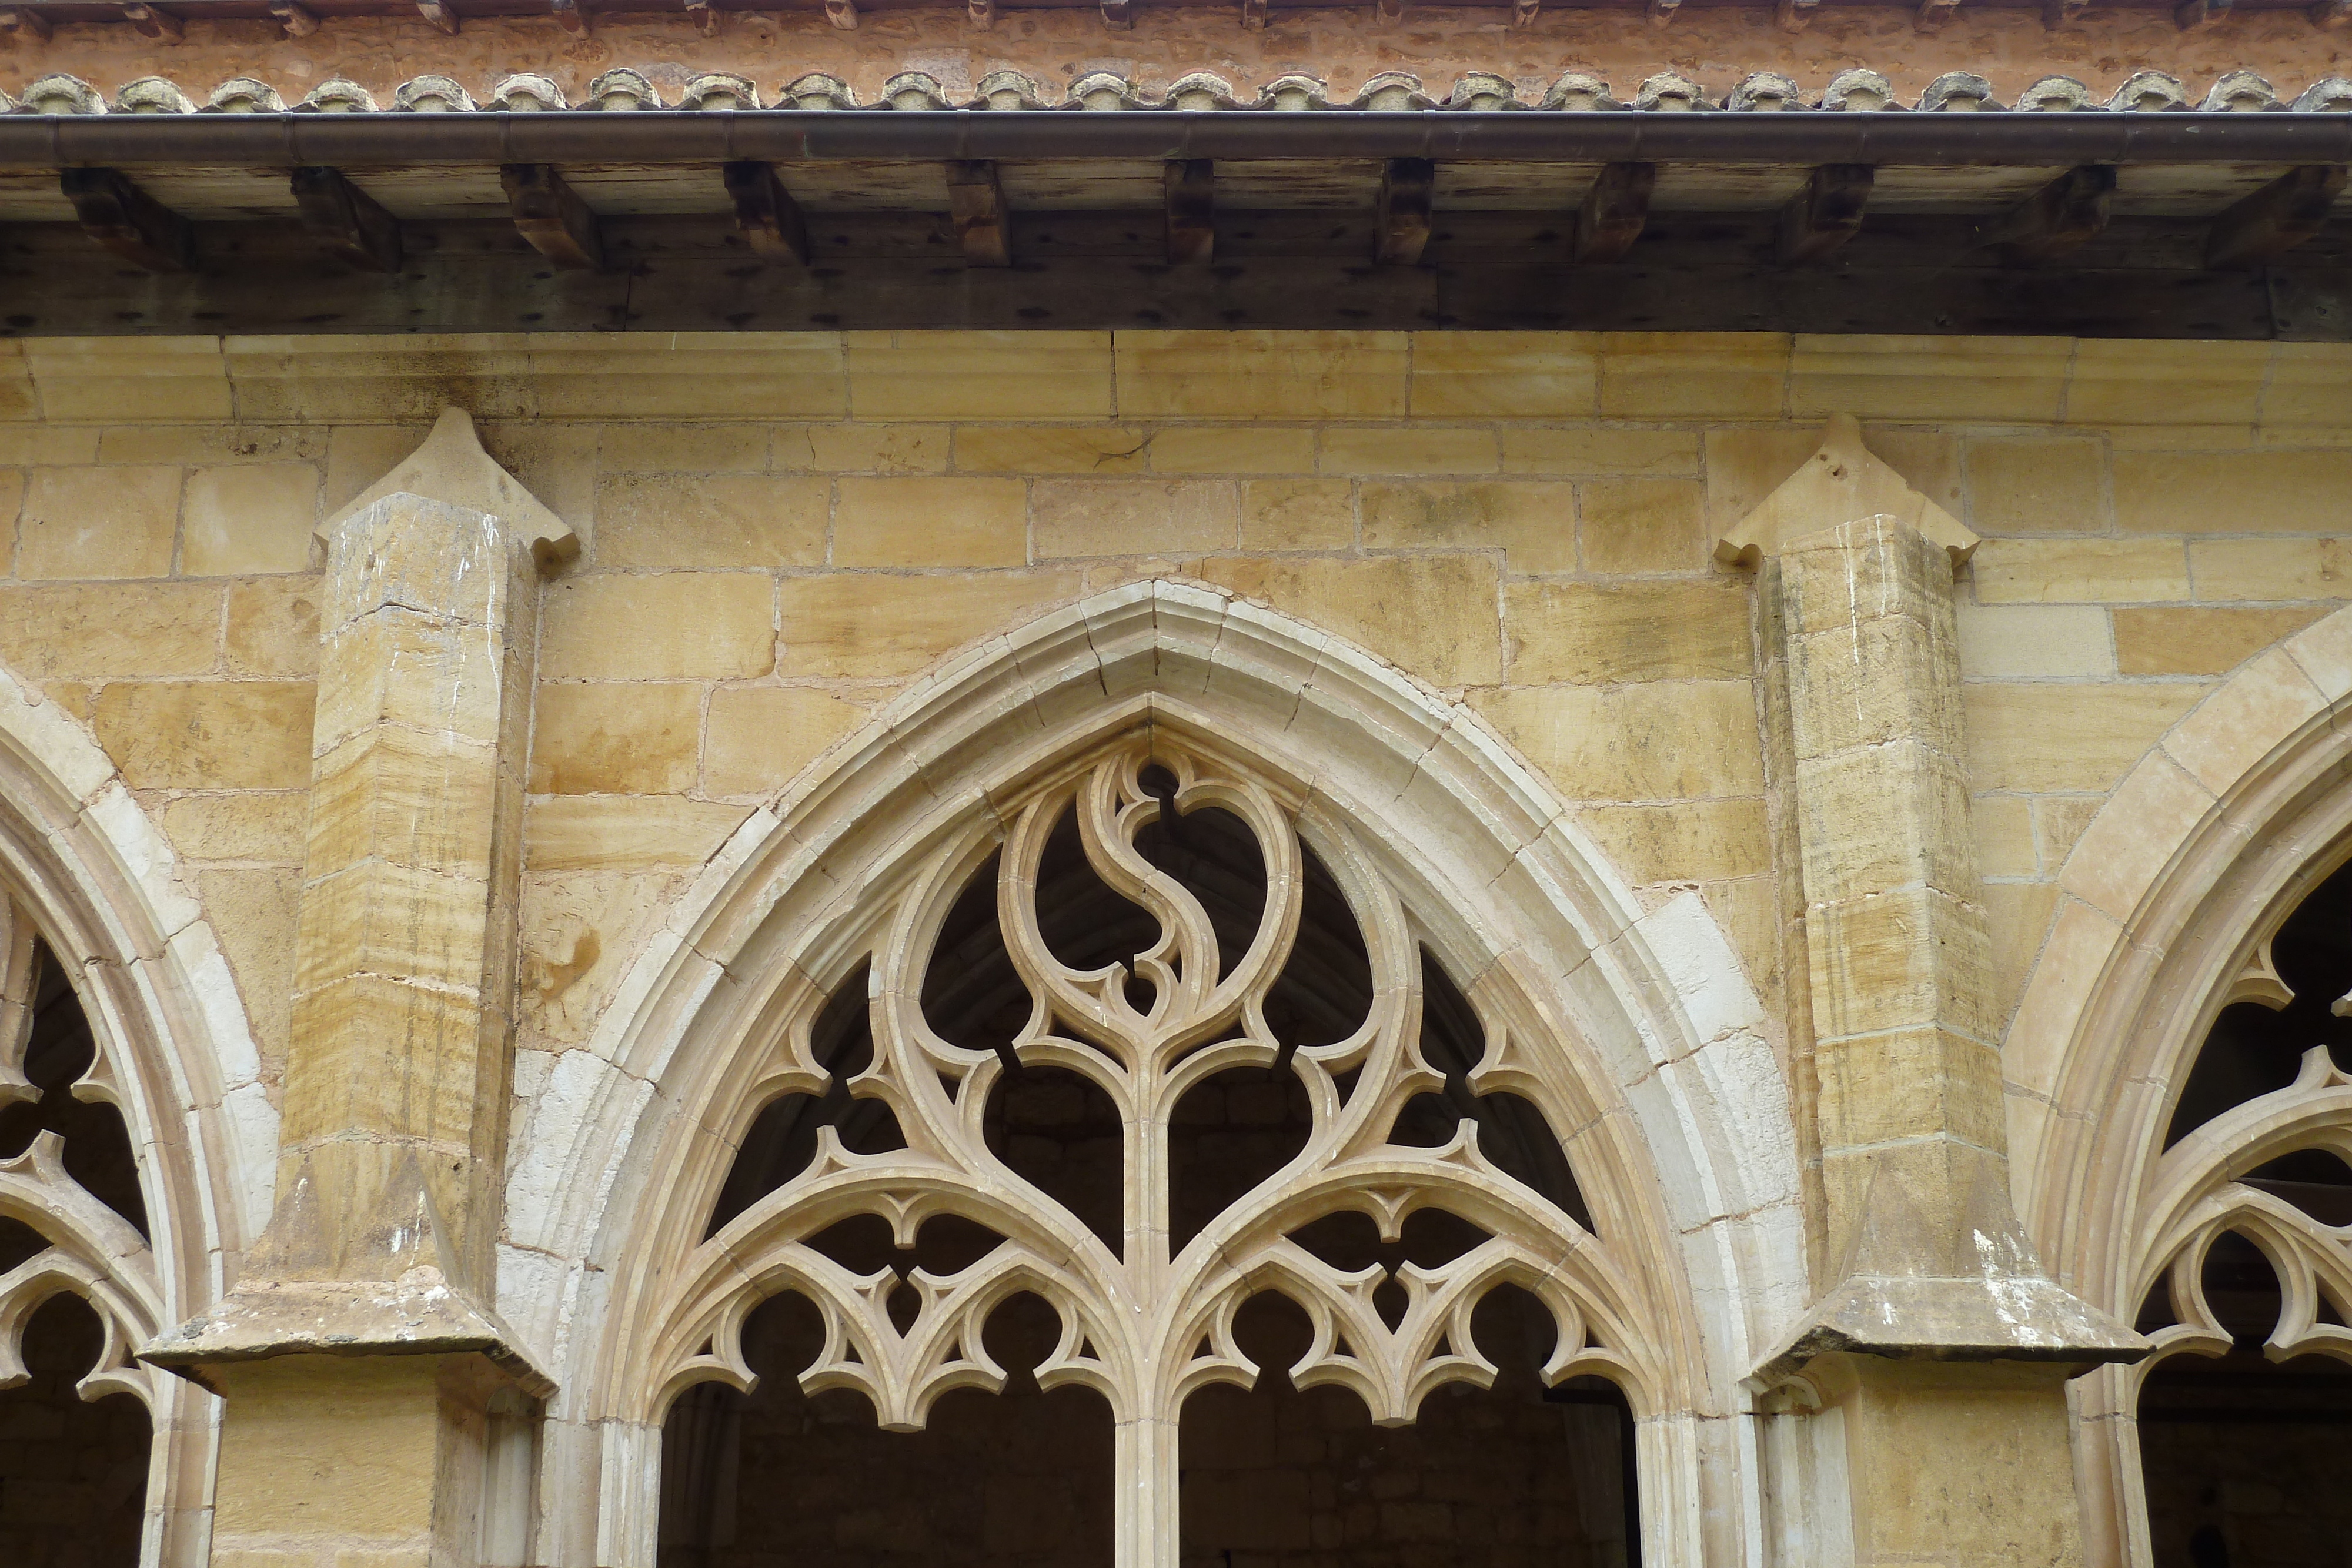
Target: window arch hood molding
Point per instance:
(1686, 1157)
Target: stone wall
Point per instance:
(779, 532)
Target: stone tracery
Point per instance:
(1190, 986)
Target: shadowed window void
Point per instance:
(73, 1472)
(2248, 1462)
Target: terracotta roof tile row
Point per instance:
(1478, 92)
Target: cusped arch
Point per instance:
(2166, 905)
(1690, 1110)
(83, 866)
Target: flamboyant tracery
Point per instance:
(2244, 1259)
(79, 1291)
(1154, 1044)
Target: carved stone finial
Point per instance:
(452, 468)
(1840, 483)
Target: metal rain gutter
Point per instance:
(797, 136)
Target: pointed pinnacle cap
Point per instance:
(451, 467)
(1842, 482)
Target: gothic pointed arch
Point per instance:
(1632, 1031)
(93, 913)
(2138, 1179)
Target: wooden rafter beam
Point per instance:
(1118, 16)
(2330, 14)
(1254, 15)
(2197, 14)
(129, 222)
(842, 14)
(765, 213)
(23, 21)
(1791, 15)
(1192, 209)
(705, 16)
(349, 221)
(571, 16)
(981, 14)
(1401, 231)
(1827, 213)
(1933, 15)
(976, 204)
(159, 26)
(2055, 221)
(2275, 219)
(1388, 11)
(297, 20)
(1525, 12)
(437, 12)
(1661, 12)
(551, 216)
(1613, 213)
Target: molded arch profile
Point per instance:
(1695, 1178)
(2168, 906)
(83, 866)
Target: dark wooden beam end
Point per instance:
(349, 221)
(129, 222)
(1401, 229)
(765, 213)
(1614, 211)
(1827, 213)
(550, 215)
(2275, 219)
(1192, 209)
(2055, 221)
(976, 203)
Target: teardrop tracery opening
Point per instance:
(1158, 1080)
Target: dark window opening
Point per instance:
(1512, 1132)
(1513, 1477)
(1021, 1479)
(98, 1151)
(2247, 1462)
(73, 1474)
(782, 1139)
(1058, 1130)
(2253, 1050)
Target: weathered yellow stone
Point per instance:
(1263, 375)
(760, 736)
(2118, 380)
(1691, 841)
(634, 832)
(12, 503)
(1908, 1083)
(1694, 375)
(240, 826)
(864, 448)
(103, 630)
(1640, 525)
(665, 521)
(1233, 449)
(2267, 491)
(272, 627)
(681, 625)
(2033, 641)
(580, 931)
(2038, 486)
(405, 798)
(1886, 815)
(207, 735)
(366, 1430)
(2201, 641)
(238, 521)
(1745, 465)
(675, 449)
(1748, 910)
(383, 918)
(864, 627)
(1413, 449)
(98, 522)
(408, 668)
(1533, 523)
(2058, 821)
(980, 375)
(47, 445)
(1434, 615)
(1600, 449)
(2012, 380)
(360, 455)
(2002, 827)
(1298, 514)
(199, 445)
(2080, 571)
(597, 738)
(2067, 736)
(930, 522)
(1595, 633)
(1073, 517)
(1895, 958)
(686, 375)
(1099, 449)
(1661, 741)
(131, 378)
(2271, 569)
(253, 913)
(2016, 917)
(388, 379)
(1505, 375)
